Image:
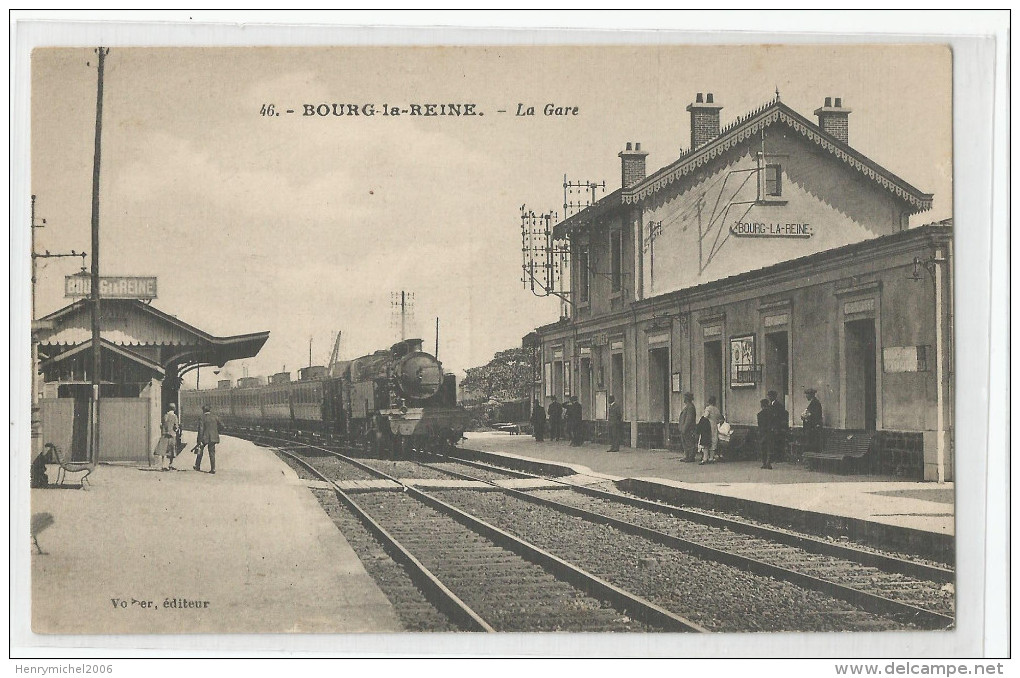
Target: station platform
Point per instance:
(247, 550)
(889, 508)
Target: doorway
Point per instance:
(585, 394)
(861, 354)
(557, 370)
(714, 371)
(777, 365)
(616, 377)
(658, 384)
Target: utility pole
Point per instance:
(96, 355)
(36, 327)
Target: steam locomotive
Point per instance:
(393, 401)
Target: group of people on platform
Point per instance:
(564, 421)
(698, 436)
(169, 445)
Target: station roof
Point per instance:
(740, 131)
(133, 323)
(108, 347)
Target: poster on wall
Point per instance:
(676, 382)
(743, 370)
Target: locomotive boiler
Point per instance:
(399, 398)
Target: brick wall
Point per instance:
(837, 125)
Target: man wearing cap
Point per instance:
(208, 435)
(688, 427)
(780, 427)
(811, 417)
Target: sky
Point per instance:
(306, 225)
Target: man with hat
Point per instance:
(688, 427)
(209, 426)
(811, 417)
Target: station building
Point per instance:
(771, 255)
(145, 353)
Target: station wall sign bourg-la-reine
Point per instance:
(119, 287)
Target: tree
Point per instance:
(506, 377)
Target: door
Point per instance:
(714, 371)
(777, 365)
(124, 430)
(658, 384)
(861, 355)
(616, 377)
(56, 418)
(585, 396)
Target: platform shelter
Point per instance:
(145, 353)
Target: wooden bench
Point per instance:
(846, 449)
(68, 466)
(508, 427)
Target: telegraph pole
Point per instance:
(40, 326)
(96, 356)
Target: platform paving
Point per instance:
(247, 550)
(924, 506)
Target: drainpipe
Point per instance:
(940, 434)
(634, 413)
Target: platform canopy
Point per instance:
(146, 332)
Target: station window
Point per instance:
(773, 180)
(582, 275)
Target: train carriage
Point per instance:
(394, 400)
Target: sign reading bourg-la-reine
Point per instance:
(120, 287)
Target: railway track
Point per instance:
(757, 578)
(485, 579)
(912, 591)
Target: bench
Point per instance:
(843, 448)
(508, 427)
(68, 466)
(741, 440)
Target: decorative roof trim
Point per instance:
(103, 343)
(215, 341)
(747, 127)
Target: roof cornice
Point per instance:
(749, 126)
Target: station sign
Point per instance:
(120, 287)
(770, 229)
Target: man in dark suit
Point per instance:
(812, 420)
(574, 422)
(615, 424)
(538, 420)
(780, 427)
(688, 424)
(555, 411)
(766, 432)
(209, 426)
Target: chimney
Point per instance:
(632, 163)
(832, 118)
(704, 120)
